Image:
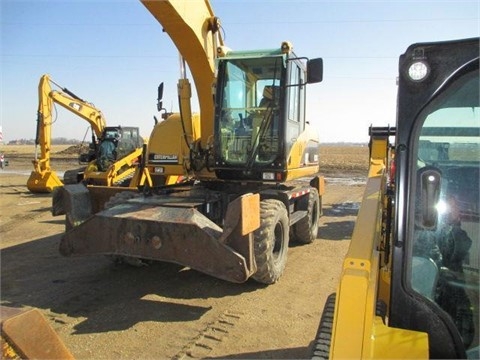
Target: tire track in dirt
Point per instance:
(209, 337)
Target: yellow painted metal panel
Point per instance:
(347, 337)
(393, 343)
(357, 332)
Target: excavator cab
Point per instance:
(410, 280)
(115, 143)
(439, 144)
(259, 110)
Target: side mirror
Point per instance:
(314, 70)
(160, 97)
(430, 182)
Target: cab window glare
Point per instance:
(445, 252)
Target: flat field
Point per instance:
(341, 160)
(336, 160)
(20, 157)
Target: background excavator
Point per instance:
(409, 287)
(113, 152)
(253, 165)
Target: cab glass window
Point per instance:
(445, 250)
(249, 108)
(295, 78)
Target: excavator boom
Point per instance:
(122, 160)
(196, 36)
(83, 109)
(43, 178)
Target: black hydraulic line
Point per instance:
(65, 90)
(39, 121)
(72, 95)
(182, 121)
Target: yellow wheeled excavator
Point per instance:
(114, 150)
(409, 286)
(250, 158)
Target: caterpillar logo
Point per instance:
(163, 158)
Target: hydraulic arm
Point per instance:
(196, 36)
(43, 178)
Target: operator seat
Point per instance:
(424, 276)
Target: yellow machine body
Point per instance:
(43, 178)
(409, 284)
(359, 333)
(193, 209)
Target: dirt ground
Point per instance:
(106, 311)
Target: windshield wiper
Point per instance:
(266, 121)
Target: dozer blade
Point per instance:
(147, 230)
(43, 182)
(27, 335)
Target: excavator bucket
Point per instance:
(27, 335)
(43, 182)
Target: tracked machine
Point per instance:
(114, 151)
(250, 158)
(409, 287)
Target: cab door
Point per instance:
(295, 109)
(435, 274)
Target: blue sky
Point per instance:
(114, 54)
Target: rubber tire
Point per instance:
(305, 231)
(271, 241)
(321, 346)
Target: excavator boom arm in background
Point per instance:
(83, 109)
(123, 164)
(65, 98)
(43, 178)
